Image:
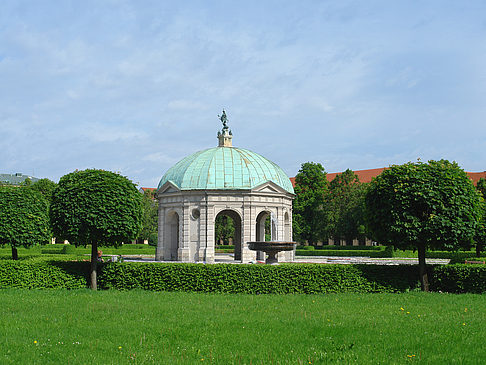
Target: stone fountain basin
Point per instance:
(271, 245)
(271, 248)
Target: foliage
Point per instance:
(224, 229)
(51, 272)
(310, 210)
(459, 279)
(262, 279)
(46, 187)
(346, 207)
(345, 253)
(24, 219)
(480, 236)
(149, 218)
(423, 206)
(96, 207)
(336, 247)
(43, 274)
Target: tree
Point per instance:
(310, 211)
(480, 236)
(97, 208)
(346, 207)
(149, 218)
(44, 186)
(423, 205)
(24, 218)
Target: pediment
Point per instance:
(269, 187)
(168, 187)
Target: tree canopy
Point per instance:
(44, 186)
(224, 229)
(480, 237)
(310, 211)
(149, 218)
(96, 207)
(423, 206)
(24, 218)
(346, 207)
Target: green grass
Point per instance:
(134, 327)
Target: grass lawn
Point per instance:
(84, 327)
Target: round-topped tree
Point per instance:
(225, 180)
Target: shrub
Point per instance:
(50, 272)
(51, 250)
(68, 249)
(225, 247)
(41, 274)
(343, 253)
(459, 279)
(349, 248)
(261, 279)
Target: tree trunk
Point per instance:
(15, 255)
(424, 279)
(479, 248)
(94, 263)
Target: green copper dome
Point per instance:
(225, 168)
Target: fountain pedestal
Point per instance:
(271, 248)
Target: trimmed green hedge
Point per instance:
(226, 250)
(42, 274)
(344, 253)
(254, 279)
(347, 248)
(259, 279)
(459, 279)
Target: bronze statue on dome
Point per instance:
(224, 119)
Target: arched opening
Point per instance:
(263, 231)
(224, 230)
(172, 236)
(287, 235)
(228, 221)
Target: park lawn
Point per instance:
(124, 327)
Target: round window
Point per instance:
(196, 213)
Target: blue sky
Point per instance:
(135, 86)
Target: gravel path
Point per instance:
(228, 259)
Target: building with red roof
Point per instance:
(365, 176)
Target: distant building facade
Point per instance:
(16, 179)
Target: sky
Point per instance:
(135, 86)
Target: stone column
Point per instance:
(247, 255)
(159, 251)
(209, 245)
(183, 252)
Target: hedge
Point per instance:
(347, 248)
(42, 274)
(459, 278)
(258, 279)
(251, 279)
(345, 253)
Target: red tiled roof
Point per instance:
(475, 176)
(148, 189)
(366, 176)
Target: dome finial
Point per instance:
(225, 135)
